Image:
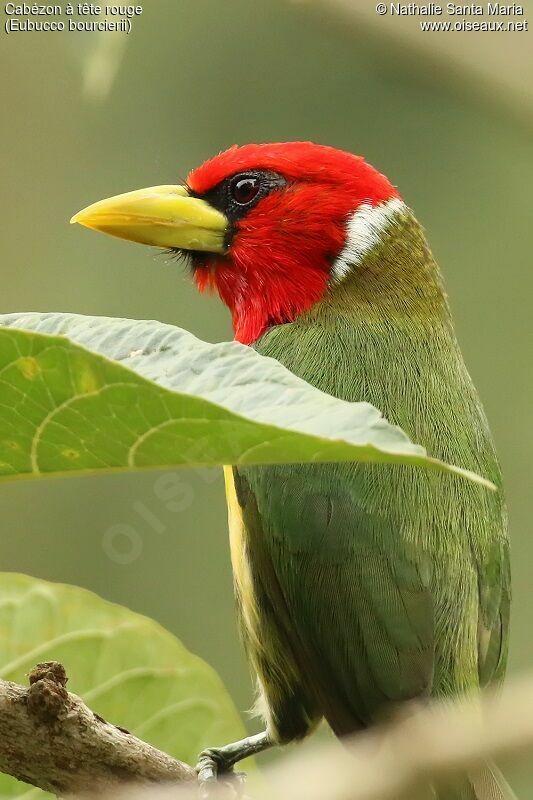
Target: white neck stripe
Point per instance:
(363, 232)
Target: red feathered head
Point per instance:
(267, 226)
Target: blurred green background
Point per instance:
(193, 77)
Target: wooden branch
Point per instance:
(398, 760)
(49, 738)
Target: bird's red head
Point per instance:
(268, 226)
(288, 206)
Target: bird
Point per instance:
(360, 587)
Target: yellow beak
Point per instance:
(163, 216)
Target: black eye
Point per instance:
(244, 189)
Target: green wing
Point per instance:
(375, 610)
(355, 592)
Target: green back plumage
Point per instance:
(377, 583)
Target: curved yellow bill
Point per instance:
(163, 216)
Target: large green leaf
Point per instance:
(126, 667)
(86, 394)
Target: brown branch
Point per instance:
(398, 760)
(50, 739)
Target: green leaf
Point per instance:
(126, 394)
(125, 667)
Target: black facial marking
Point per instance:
(234, 197)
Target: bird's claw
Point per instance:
(214, 771)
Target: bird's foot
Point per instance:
(215, 764)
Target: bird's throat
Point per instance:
(264, 296)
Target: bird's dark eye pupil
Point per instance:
(244, 190)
